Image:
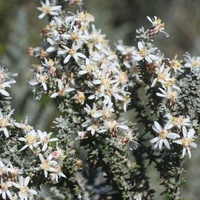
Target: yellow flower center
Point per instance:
(161, 77)
(112, 125)
(159, 21)
(173, 95)
(84, 16)
(80, 97)
(4, 186)
(24, 189)
(95, 125)
(3, 122)
(177, 121)
(30, 139)
(195, 63)
(123, 78)
(57, 168)
(45, 165)
(163, 134)
(72, 51)
(169, 83)
(51, 62)
(43, 79)
(185, 142)
(46, 9)
(159, 26)
(74, 36)
(89, 68)
(105, 82)
(26, 127)
(61, 92)
(107, 114)
(143, 52)
(178, 63)
(45, 140)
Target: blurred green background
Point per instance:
(20, 28)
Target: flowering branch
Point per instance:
(93, 152)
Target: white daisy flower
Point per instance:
(24, 191)
(31, 140)
(47, 164)
(187, 141)
(144, 53)
(164, 135)
(4, 189)
(178, 121)
(72, 52)
(45, 139)
(48, 9)
(5, 122)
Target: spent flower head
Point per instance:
(157, 26)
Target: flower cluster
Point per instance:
(180, 135)
(15, 177)
(13, 184)
(148, 65)
(77, 63)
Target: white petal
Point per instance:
(166, 143)
(41, 15)
(191, 132)
(148, 59)
(184, 130)
(157, 126)
(178, 142)
(154, 140)
(26, 181)
(81, 55)
(54, 95)
(154, 82)
(50, 49)
(160, 144)
(5, 93)
(193, 145)
(189, 152)
(67, 59)
(183, 153)
(173, 136)
(140, 45)
(160, 95)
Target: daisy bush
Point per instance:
(93, 151)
